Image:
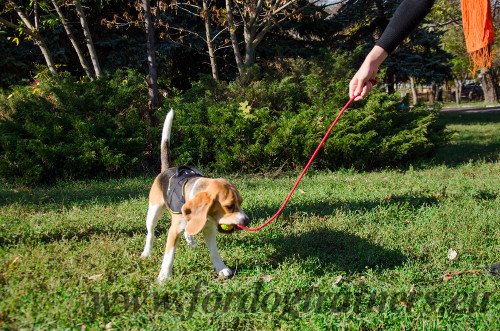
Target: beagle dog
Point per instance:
(196, 204)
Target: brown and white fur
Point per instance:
(209, 203)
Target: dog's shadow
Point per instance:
(324, 250)
(328, 208)
(334, 250)
(331, 249)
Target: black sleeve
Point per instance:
(406, 18)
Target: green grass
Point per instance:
(347, 241)
(470, 104)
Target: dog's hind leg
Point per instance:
(168, 258)
(155, 212)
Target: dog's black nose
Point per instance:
(246, 220)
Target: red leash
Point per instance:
(266, 223)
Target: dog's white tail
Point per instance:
(165, 140)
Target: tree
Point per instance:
(257, 18)
(209, 40)
(43, 17)
(421, 60)
(454, 43)
(179, 22)
(152, 78)
(73, 40)
(489, 76)
(418, 59)
(209, 12)
(146, 19)
(88, 38)
(29, 27)
(234, 38)
(447, 17)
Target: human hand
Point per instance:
(364, 79)
(362, 82)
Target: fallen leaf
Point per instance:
(359, 280)
(452, 254)
(302, 191)
(403, 303)
(94, 277)
(337, 280)
(267, 278)
(11, 264)
(452, 274)
(448, 276)
(389, 197)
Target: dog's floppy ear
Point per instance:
(195, 212)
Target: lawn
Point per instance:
(354, 250)
(471, 104)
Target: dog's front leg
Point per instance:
(168, 258)
(209, 232)
(191, 242)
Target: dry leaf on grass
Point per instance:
(11, 264)
(452, 254)
(452, 274)
(267, 278)
(337, 280)
(94, 277)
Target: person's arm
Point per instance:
(406, 18)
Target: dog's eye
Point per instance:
(230, 207)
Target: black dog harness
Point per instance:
(174, 179)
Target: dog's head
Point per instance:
(219, 202)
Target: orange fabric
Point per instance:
(479, 32)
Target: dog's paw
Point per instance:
(163, 277)
(191, 242)
(145, 255)
(226, 273)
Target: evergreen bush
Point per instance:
(65, 128)
(233, 136)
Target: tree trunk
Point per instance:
(46, 54)
(35, 12)
(249, 54)
(488, 85)
(438, 95)
(34, 33)
(210, 45)
(74, 42)
(232, 35)
(432, 95)
(249, 34)
(88, 38)
(152, 78)
(41, 42)
(390, 83)
(413, 90)
(458, 91)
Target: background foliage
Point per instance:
(64, 128)
(271, 115)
